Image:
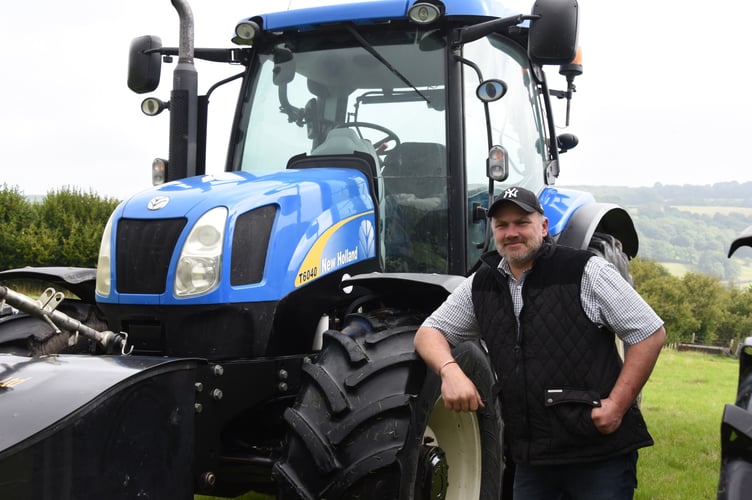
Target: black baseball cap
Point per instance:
(523, 198)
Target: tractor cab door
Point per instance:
(514, 120)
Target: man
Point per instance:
(548, 315)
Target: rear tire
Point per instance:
(369, 422)
(608, 247)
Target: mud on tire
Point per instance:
(368, 423)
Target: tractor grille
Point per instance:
(144, 250)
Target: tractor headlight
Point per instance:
(200, 262)
(104, 273)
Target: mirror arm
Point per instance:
(478, 31)
(294, 115)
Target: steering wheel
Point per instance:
(380, 145)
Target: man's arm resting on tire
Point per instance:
(458, 391)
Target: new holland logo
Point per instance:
(158, 202)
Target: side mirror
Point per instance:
(284, 66)
(565, 142)
(144, 64)
(552, 38)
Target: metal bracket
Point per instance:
(47, 303)
(49, 300)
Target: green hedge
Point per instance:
(63, 229)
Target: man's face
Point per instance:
(518, 234)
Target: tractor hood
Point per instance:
(232, 189)
(303, 192)
(283, 230)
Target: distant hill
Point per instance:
(733, 194)
(688, 227)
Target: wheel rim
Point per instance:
(457, 435)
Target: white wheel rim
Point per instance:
(458, 434)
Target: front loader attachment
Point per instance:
(80, 426)
(96, 427)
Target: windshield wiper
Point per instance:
(371, 50)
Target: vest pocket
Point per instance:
(570, 415)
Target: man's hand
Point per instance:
(607, 418)
(639, 361)
(458, 391)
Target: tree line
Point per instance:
(65, 229)
(670, 233)
(728, 194)
(696, 307)
(62, 229)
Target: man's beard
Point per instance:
(517, 258)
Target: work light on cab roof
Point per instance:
(424, 12)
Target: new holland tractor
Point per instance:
(252, 330)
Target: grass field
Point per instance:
(683, 405)
(745, 276)
(712, 210)
(678, 270)
(675, 268)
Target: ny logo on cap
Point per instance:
(510, 193)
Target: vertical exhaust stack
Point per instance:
(184, 101)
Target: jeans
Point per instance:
(613, 479)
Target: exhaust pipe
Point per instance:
(184, 101)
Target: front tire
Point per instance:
(369, 422)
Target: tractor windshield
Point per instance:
(383, 91)
(311, 92)
(384, 96)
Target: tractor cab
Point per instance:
(438, 124)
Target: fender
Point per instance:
(603, 217)
(573, 217)
(425, 291)
(744, 239)
(79, 280)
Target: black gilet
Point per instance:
(553, 367)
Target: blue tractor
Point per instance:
(252, 329)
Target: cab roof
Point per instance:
(375, 12)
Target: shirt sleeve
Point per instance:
(455, 318)
(609, 300)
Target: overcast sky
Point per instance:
(662, 97)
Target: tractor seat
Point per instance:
(344, 141)
(416, 168)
